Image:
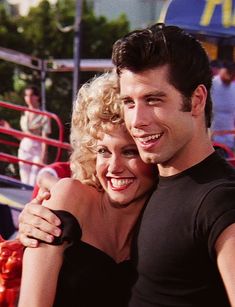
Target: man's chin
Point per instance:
(149, 158)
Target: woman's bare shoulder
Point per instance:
(70, 185)
(71, 195)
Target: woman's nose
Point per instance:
(115, 165)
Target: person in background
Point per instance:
(215, 67)
(90, 262)
(36, 124)
(223, 97)
(49, 175)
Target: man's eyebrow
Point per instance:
(155, 93)
(147, 95)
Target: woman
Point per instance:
(36, 124)
(113, 187)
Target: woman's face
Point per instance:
(120, 170)
(30, 98)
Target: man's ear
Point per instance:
(199, 100)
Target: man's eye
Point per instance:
(131, 152)
(153, 100)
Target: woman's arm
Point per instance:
(41, 266)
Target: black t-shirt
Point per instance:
(175, 246)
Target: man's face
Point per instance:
(154, 117)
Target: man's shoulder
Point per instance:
(220, 186)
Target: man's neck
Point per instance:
(179, 164)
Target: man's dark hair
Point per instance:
(159, 45)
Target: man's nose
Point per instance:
(139, 116)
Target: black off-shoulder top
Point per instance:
(89, 277)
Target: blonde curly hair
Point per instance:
(97, 109)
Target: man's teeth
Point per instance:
(150, 137)
(120, 182)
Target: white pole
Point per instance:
(76, 49)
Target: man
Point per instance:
(223, 95)
(187, 234)
(186, 239)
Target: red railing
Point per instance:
(230, 154)
(59, 144)
(223, 132)
(11, 251)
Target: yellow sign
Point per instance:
(227, 16)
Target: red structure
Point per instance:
(11, 252)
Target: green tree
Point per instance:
(9, 38)
(42, 34)
(44, 38)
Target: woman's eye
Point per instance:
(101, 150)
(128, 102)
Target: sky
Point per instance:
(24, 5)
